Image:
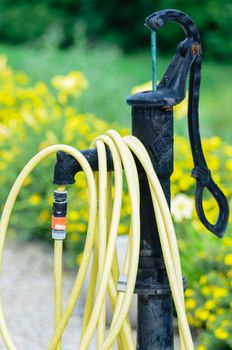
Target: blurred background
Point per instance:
(66, 68)
(108, 42)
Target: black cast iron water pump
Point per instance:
(171, 91)
(152, 123)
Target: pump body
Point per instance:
(154, 127)
(152, 124)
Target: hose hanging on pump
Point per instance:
(101, 240)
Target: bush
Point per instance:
(33, 116)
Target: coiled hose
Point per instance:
(104, 218)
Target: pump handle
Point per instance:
(200, 172)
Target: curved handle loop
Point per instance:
(200, 172)
(204, 180)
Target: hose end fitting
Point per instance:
(59, 212)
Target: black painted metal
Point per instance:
(201, 172)
(154, 127)
(152, 123)
(66, 166)
(154, 318)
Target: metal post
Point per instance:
(154, 127)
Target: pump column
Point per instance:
(153, 125)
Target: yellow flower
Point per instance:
(81, 227)
(220, 311)
(73, 215)
(228, 151)
(185, 184)
(229, 164)
(228, 260)
(71, 84)
(214, 162)
(220, 292)
(227, 241)
(225, 323)
(35, 199)
(123, 229)
(209, 304)
(21, 78)
(62, 98)
(3, 165)
(214, 142)
(44, 216)
(83, 129)
(177, 175)
(201, 254)
(201, 347)
(41, 88)
(190, 304)
(206, 291)
(203, 280)
(180, 110)
(202, 314)
(212, 318)
(189, 292)
(220, 333)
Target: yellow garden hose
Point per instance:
(104, 207)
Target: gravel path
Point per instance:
(27, 289)
(27, 285)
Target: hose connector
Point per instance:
(59, 212)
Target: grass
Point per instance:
(112, 75)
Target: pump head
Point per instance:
(172, 90)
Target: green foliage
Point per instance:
(117, 21)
